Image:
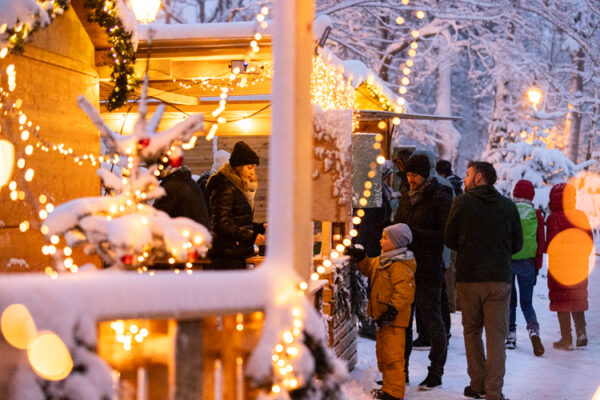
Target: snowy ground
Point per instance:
(557, 375)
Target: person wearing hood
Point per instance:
(484, 228)
(393, 289)
(569, 245)
(221, 158)
(424, 208)
(525, 266)
(231, 191)
(184, 197)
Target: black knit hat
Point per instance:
(419, 164)
(242, 154)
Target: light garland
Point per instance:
(128, 333)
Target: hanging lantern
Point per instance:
(145, 10)
(7, 160)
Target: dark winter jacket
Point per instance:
(184, 197)
(569, 244)
(484, 228)
(456, 183)
(426, 219)
(233, 228)
(392, 284)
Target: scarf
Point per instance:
(388, 257)
(418, 194)
(248, 188)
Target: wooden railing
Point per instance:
(188, 359)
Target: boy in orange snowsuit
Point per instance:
(392, 277)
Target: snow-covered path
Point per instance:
(557, 375)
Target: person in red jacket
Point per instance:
(569, 244)
(525, 266)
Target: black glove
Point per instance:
(355, 252)
(387, 317)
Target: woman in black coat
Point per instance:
(231, 191)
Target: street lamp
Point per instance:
(534, 94)
(145, 10)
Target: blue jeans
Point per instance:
(524, 274)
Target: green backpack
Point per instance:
(529, 223)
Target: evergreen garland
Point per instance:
(104, 13)
(328, 378)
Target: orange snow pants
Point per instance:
(389, 349)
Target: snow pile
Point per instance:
(30, 13)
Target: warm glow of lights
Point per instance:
(328, 87)
(276, 389)
(245, 124)
(356, 220)
(17, 326)
(534, 95)
(353, 232)
(49, 357)
(145, 10)
(568, 256)
(340, 247)
(382, 125)
(303, 285)
(415, 34)
(380, 160)
(400, 20)
(7, 160)
(314, 276)
(347, 242)
(420, 14)
(396, 121)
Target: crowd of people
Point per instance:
(440, 251)
(478, 252)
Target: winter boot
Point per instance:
(511, 340)
(430, 382)
(536, 342)
(582, 339)
(381, 395)
(564, 344)
(469, 392)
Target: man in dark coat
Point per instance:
(184, 196)
(231, 191)
(484, 227)
(424, 208)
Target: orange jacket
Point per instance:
(391, 285)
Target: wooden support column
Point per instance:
(290, 186)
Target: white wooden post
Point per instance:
(290, 152)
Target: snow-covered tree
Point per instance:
(123, 229)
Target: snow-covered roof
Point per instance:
(202, 31)
(357, 73)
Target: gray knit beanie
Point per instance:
(399, 234)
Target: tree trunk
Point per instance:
(576, 87)
(450, 137)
